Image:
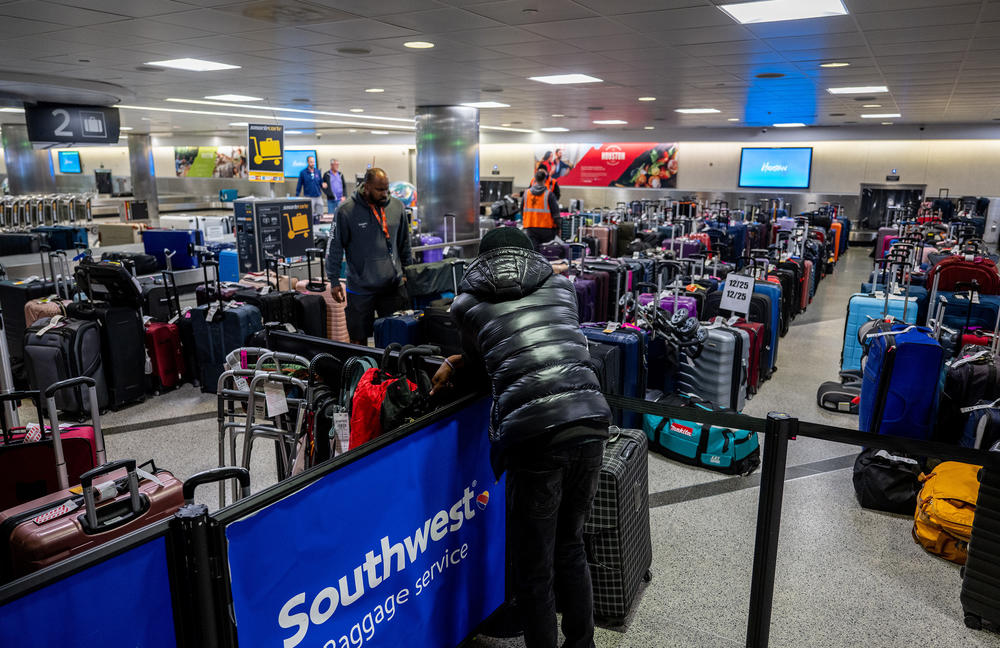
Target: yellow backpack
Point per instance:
(946, 507)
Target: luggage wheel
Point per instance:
(648, 576)
(973, 621)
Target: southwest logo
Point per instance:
(482, 500)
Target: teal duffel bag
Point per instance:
(723, 449)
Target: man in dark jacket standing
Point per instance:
(309, 185)
(334, 186)
(371, 228)
(519, 323)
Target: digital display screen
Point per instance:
(69, 162)
(787, 168)
(295, 161)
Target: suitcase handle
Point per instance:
(87, 481)
(213, 475)
(18, 396)
(95, 420)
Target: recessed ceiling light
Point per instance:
(857, 89)
(194, 65)
(789, 125)
(485, 104)
(379, 132)
(561, 79)
(887, 123)
(374, 90)
(357, 110)
(234, 97)
(293, 132)
(648, 127)
(125, 128)
(418, 45)
(696, 111)
(12, 110)
(558, 115)
(353, 50)
(647, 98)
(881, 116)
(554, 129)
(770, 75)
(833, 65)
(733, 119)
(239, 124)
(505, 124)
(775, 10)
(872, 106)
(609, 122)
(353, 130)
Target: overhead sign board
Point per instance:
(72, 123)
(266, 152)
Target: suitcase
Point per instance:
(553, 251)
(966, 383)
(431, 256)
(154, 298)
(586, 298)
(215, 336)
(773, 293)
(616, 535)
(755, 331)
(50, 529)
(719, 374)
(155, 241)
(54, 304)
(59, 350)
(28, 465)
(62, 237)
(229, 266)
(922, 296)
(861, 309)
(403, 329)
(109, 234)
(14, 296)
(902, 374)
(634, 350)
(882, 237)
(19, 243)
(607, 362)
(123, 345)
(310, 314)
(981, 576)
(838, 231)
(142, 264)
(163, 346)
(602, 235)
(437, 327)
(668, 303)
(957, 269)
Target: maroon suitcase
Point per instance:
(163, 344)
(67, 523)
(756, 332)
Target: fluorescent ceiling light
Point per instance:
(789, 125)
(648, 127)
(311, 120)
(357, 110)
(733, 119)
(234, 97)
(609, 122)
(558, 115)
(239, 124)
(872, 106)
(833, 65)
(881, 116)
(775, 10)
(887, 123)
(554, 129)
(303, 111)
(505, 125)
(418, 45)
(647, 98)
(507, 128)
(353, 130)
(194, 65)
(486, 104)
(380, 132)
(374, 90)
(857, 90)
(12, 110)
(125, 128)
(293, 132)
(696, 111)
(561, 79)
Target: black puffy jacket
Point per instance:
(520, 321)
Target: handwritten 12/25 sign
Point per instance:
(737, 293)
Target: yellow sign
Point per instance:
(266, 152)
(298, 225)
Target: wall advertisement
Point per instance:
(210, 162)
(644, 165)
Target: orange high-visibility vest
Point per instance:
(536, 210)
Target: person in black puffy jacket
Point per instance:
(519, 325)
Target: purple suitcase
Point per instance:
(554, 251)
(684, 247)
(667, 303)
(586, 299)
(880, 239)
(431, 256)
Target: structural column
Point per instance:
(29, 170)
(140, 162)
(448, 169)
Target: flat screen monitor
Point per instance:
(69, 162)
(786, 168)
(295, 161)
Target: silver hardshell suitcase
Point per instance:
(719, 374)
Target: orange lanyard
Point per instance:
(380, 217)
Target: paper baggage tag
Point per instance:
(32, 433)
(612, 327)
(148, 476)
(975, 298)
(210, 314)
(242, 384)
(289, 327)
(57, 512)
(274, 397)
(53, 323)
(732, 320)
(342, 429)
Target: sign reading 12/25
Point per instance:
(737, 293)
(72, 123)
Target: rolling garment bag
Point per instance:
(981, 576)
(29, 468)
(163, 346)
(719, 373)
(58, 349)
(902, 374)
(118, 498)
(616, 536)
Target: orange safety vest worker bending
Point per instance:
(540, 210)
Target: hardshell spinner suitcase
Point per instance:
(633, 345)
(617, 536)
(860, 309)
(719, 374)
(59, 350)
(981, 576)
(226, 332)
(163, 345)
(404, 329)
(178, 241)
(336, 320)
(310, 314)
(50, 529)
(437, 327)
(607, 362)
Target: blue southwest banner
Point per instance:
(404, 547)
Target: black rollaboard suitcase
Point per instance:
(70, 349)
(123, 342)
(617, 536)
(13, 297)
(19, 243)
(310, 314)
(607, 362)
(981, 574)
(142, 264)
(437, 327)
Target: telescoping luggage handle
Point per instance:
(320, 255)
(212, 475)
(87, 483)
(95, 416)
(13, 397)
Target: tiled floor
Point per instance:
(846, 576)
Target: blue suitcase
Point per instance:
(178, 241)
(404, 329)
(960, 310)
(861, 309)
(845, 233)
(921, 294)
(633, 345)
(216, 339)
(62, 237)
(229, 266)
(773, 292)
(901, 383)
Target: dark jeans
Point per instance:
(551, 495)
(539, 235)
(361, 309)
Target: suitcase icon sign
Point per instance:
(269, 149)
(297, 224)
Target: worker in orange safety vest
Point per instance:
(540, 209)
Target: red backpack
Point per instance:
(366, 404)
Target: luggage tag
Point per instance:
(732, 320)
(242, 384)
(274, 398)
(56, 512)
(612, 327)
(53, 323)
(210, 314)
(342, 425)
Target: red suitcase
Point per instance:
(163, 344)
(756, 332)
(67, 523)
(959, 269)
(33, 465)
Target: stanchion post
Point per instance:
(779, 428)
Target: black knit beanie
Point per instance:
(504, 237)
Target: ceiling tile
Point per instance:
(541, 48)
(830, 25)
(530, 12)
(130, 8)
(868, 6)
(361, 29)
(57, 14)
(147, 28)
(441, 20)
(216, 21)
(672, 20)
(497, 36)
(930, 17)
(579, 28)
(379, 8)
(710, 35)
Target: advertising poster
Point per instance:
(210, 162)
(266, 152)
(404, 547)
(643, 165)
